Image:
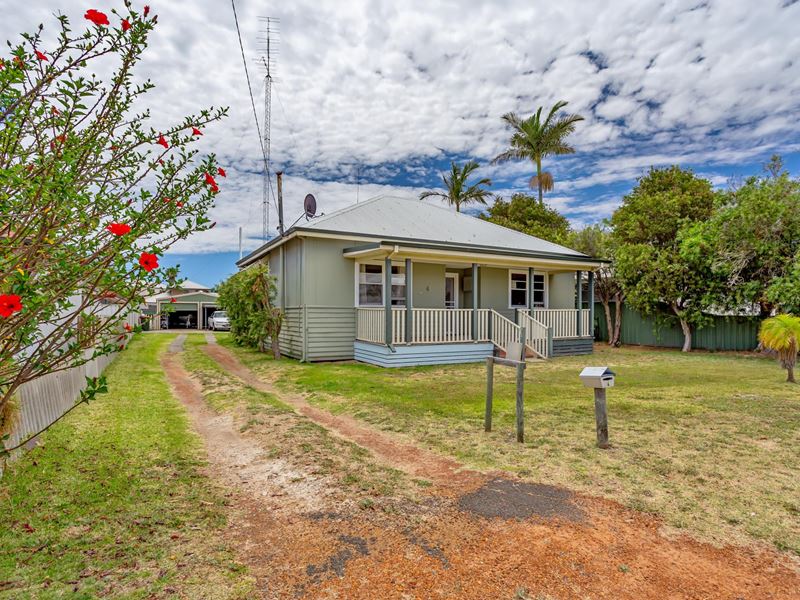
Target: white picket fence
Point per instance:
(44, 399)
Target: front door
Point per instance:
(451, 290)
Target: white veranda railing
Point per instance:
(563, 321)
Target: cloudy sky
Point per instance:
(377, 97)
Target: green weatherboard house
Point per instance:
(399, 282)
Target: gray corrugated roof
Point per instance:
(389, 217)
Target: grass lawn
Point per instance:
(112, 503)
(710, 442)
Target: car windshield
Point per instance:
(220, 313)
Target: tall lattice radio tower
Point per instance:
(268, 46)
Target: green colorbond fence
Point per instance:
(726, 333)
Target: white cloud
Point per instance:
(380, 85)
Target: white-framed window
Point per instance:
(369, 284)
(519, 288)
(539, 290)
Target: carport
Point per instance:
(187, 311)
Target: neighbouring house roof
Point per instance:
(193, 285)
(389, 218)
(167, 295)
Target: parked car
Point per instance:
(218, 321)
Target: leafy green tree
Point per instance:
(249, 298)
(596, 241)
(90, 194)
(524, 214)
(535, 139)
(647, 228)
(781, 334)
(754, 239)
(458, 190)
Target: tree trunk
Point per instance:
(790, 375)
(539, 180)
(617, 319)
(609, 324)
(687, 336)
(276, 348)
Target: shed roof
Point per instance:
(395, 218)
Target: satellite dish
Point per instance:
(310, 206)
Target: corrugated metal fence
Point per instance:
(726, 333)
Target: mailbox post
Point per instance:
(599, 378)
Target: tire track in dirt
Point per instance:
(445, 472)
(453, 553)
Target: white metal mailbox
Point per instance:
(597, 377)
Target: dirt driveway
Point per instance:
(468, 535)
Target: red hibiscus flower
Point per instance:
(172, 300)
(146, 10)
(41, 55)
(179, 204)
(126, 24)
(148, 261)
(221, 172)
(196, 131)
(162, 141)
(167, 199)
(128, 327)
(96, 17)
(212, 182)
(55, 111)
(119, 228)
(9, 304)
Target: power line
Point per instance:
(250, 91)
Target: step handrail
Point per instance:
(538, 336)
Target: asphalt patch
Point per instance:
(336, 563)
(430, 550)
(507, 499)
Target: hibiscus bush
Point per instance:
(91, 194)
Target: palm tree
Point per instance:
(534, 139)
(782, 334)
(458, 190)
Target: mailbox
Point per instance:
(597, 377)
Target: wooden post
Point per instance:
(487, 419)
(578, 300)
(521, 388)
(520, 403)
(601, 417)
(474, 302)
(409, 302)
(550, 342)
(591, 304)
(387, 300)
